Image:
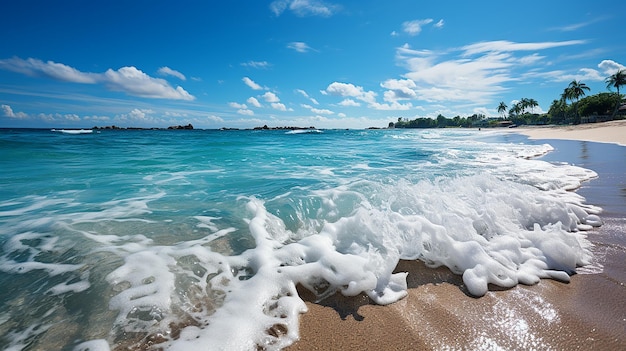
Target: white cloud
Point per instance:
(576, 26)
(583, 74)
(399, 89)
(304, 93)
(257, 64)
(351, 90)
(318, 111)
(140, 114)
(415, 27)
(509, 46)
(439, 24)
(610, 67)
(58, 71)
(369, 97)
(304, 7)
(58, 118)
(245, 112)
(531, 59)
(279, 106)
(166, 71)
(214, 118)
(454, 79)
(270, 97)
(322, 111)
(134, 82)
(129, 80)
(344, 89)
(349, 103)
(250, 83)
(7, 111)
(253, 101)
(299, 46)
(237, 105)
(393, 106)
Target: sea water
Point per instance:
(197, 240)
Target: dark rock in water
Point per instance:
(189, 127)
(114, 127)
(265, 127)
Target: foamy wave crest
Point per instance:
(348, 240)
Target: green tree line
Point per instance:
(580, 109)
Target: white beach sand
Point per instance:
(606, 132)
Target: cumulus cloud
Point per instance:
(214, 118)
(369, 97)
(399, 89)
(303, 8)
(415, 27)
(245, 112)
(7, 111)
(129, 80)
(237, 105)
(349, 103)
(610, 67)
(134, 82)
(140, 114)
(279, 106)
(351, 90)
(249, 82)
(299, 46)
(253, 101)
(321, 111)
(242, 109)
(166, 71)
(270, 97)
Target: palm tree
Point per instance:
(616, 80)
(523, 105)
(574, 91)
(515, 110)
(502, 109)
(557, 111)
(532, 103)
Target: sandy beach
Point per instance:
(589, 313)
(606, 132)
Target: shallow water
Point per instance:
(196, 240)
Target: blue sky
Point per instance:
(329, 64)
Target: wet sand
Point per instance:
(589, 313)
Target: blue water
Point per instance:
(192, 238)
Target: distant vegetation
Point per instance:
(580, 109)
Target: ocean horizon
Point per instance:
(188, 238)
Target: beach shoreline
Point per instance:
(603, 132)
(589, 312)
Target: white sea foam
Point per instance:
(490, 231)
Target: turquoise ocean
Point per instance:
(197, 239)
